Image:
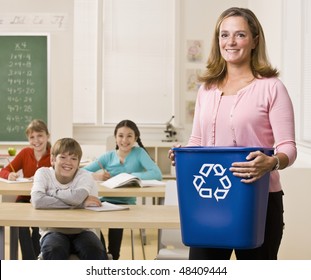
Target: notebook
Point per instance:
(128, 180)
(107, 206)
(19, 180)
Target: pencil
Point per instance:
(11, 165)
(101, 166)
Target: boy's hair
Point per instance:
(67, 145)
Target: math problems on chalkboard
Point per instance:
(23, 84)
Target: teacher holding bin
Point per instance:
(241, 104)
(25, 164)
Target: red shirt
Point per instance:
(25, 160)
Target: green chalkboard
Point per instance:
(23, 83)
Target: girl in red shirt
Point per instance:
(27, 161)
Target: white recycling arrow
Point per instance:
(198, 181)
(225, 182)
(206, 193)
(220, 194)
(208, 171)
(219, 170)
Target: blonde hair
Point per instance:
(216, 69)
(37, 126)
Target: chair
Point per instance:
(170, 241)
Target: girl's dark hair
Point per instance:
(133, 126)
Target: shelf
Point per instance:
(159, 153)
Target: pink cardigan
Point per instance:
(261, 114)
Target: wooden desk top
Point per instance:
(15, 188)
(139, 216)
(25, 188)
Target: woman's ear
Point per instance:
(255, 42)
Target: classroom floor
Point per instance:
(126, 250)
(150, 246)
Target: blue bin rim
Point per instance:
(200, 149)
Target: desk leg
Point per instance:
(14, 243)
(142, 233)
(2, 243)
(160, 202)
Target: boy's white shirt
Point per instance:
(48, 193)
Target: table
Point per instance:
(14, 189)
(17, 215)
(25, 188)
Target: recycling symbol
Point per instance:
(218, 171)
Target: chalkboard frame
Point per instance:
(46, 118)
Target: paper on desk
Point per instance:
(106, 206)
(18, 180)
(129, 180)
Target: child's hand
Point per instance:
(106, 175)
(13, 176)
(101, 176)
(92, 201)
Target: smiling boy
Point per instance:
(65, 185)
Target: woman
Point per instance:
(126, 158)
(27, 161)
(242, 103)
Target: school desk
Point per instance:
(25, 188)
(14, 189)
(16, 215)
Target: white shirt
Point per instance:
(48, 193)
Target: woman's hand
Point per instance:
(171, 154)
(257, 165)
(92, 201)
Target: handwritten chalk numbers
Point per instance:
(21, 88)
(23, 84)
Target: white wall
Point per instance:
(61, 56)
(296, 243)
(197, 21)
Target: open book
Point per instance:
(106, 206)
(128, 180)
(18, 180)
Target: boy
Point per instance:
(65, 185)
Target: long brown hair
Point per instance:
(216, 69)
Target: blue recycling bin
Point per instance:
(216, 209)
